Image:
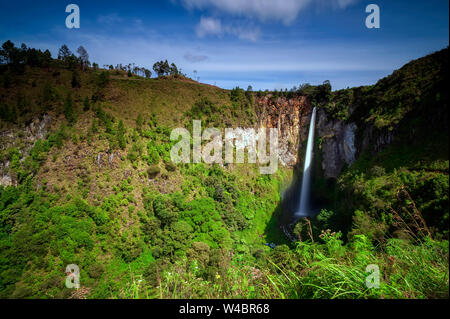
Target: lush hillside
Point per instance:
(89, 181)
(402, 151)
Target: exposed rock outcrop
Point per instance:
(340, 142)
(291, 117)
(376, 139)
(6, 178)
(24, 139)
(337, 143)
(107, 159)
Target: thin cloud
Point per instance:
(285, 11)
(263, 65)
(195, 58)
(209, 26)
(112, 18)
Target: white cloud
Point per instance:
(209, 26)
(214, 27)
(344, 3)
(251, 34)
(285, 11)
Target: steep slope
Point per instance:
(86, 179)
(381, 144)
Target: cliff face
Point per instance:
(341, 142)
(23, 139)
(291, 116)
(337, 144)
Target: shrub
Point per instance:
(86, 104)
(171, 167)
(69, 109)
(153, 171)
(76, 82)
(121, 135)
(152, 153)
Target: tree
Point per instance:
(166, 67)
(47, 93)
(102, 79)
(139, 123)
(174, 69)
(47, 58)
(83, 57)
(152, 153)
(158, 67)
(148, 73)
(121, 135)
(35, 57)
(76, 82)
(72, 62)
(13, 56)
(64, 53)
(86, 105)
(323, 92)
(162, 212)
(68, 109)
(162, 68)
(7, 113)
(7, 52)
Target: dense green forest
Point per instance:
(99, 189)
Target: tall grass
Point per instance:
(328, 270)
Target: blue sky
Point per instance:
(269, 44)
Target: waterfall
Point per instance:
(304, 195)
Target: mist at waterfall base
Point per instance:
(297, 200)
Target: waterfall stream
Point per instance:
(304, 208)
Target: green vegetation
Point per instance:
(163, 68)
(416, 86)
(99, 190)
(411, 173)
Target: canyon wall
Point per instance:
(337, 143)
(340, 142)
(291, 117)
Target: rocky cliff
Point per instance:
(291, 116)
(23, 139)
(340, 142)
(337, 144)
